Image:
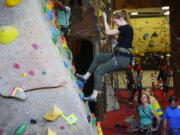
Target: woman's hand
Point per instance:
(104, 15)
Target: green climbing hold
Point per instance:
(21, 129)
(61, 33)
(46, 0)
(44, 73)
(94, 121)
(72, 77)
(54, 39)
(60, 50)
(58, 22)
(69, 53)
(45, 9)
(72, 71)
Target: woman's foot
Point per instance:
(90, 99)
(81, 77)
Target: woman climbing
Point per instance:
(119, 59)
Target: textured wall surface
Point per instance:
(44, 67)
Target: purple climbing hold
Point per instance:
(35, 46)
(17, 65)
(31, 72)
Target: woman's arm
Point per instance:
(157, 118)
(108, 30)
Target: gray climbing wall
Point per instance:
(34, 61)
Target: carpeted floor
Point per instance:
(113, 123)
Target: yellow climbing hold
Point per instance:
(12, 3)
(8, 34)
(23, 74)
(53, 113)
(50, 132)
(100, 12)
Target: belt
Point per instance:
(122, 51)
(146, 126)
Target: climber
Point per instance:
(63, 15)
(120, 57)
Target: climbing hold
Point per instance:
(32, 121)
(18, 92)
(31, 72)
(53, 113)
(94, 121)
(72, 77)
(23, 75)
(50, 14)
(59, 48)
(68, 53)
(71, 119)
(8, 34)
(53, 31)
(145, 36)
(81, 95)
(65, 64)
(74, 69)
(12, 3)
(45, 9)
(63, 38)
(61, 33)
(54, 39)
(100, 12)
(16, 65)
(62, 127)
(56, 23)
(21, 129)
(50, 132)
(80, 84)
(44, 73)
(64, 45)
(35, 46)
(0, 77)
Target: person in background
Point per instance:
(166, 80)
(63, 15)
(71, 2)
(119, 59)
(172, 115)
(138, 75)
(130, 79)
(146, 114)
(155, 104)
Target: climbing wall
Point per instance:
(151, 34)
(38, 91)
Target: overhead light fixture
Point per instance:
(134, 13)
(166, 13)
(165, 8)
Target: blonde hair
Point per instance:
(148, 98)
(123, 13)
(150, 91)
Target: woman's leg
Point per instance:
(98, 59)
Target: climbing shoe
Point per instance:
(81, 77)
(90, 99)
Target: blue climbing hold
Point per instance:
(50, 14)
(53, 31)
(81, 95)
(145, 36)
(65, 64)
(80, 84)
